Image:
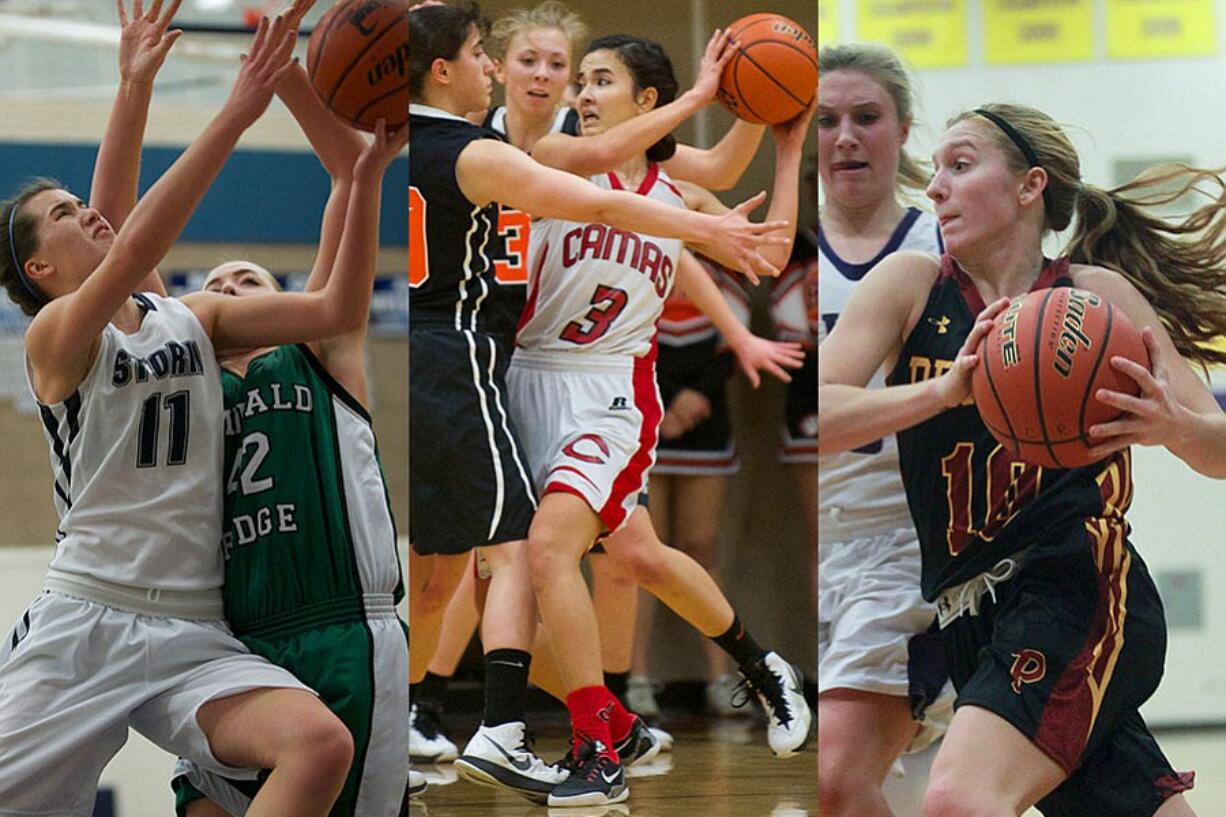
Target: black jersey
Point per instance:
(509, 244)
(972, 502)
(451, 265)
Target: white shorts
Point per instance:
(589, 426)
(874, 627)
(75, 675)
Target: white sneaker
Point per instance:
(427, 743)
(665, 739)
(502, 757)
(641, 696)
(780, 688)
(417, 783)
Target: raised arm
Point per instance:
(752, 352)
(63, 336)
(144, 42)
(343, 304)
(590, 155)
(489, 170)
(719, 167)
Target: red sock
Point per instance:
(621, 720)
(591, 713)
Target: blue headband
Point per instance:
(21, 273)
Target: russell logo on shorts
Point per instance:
(1029, 667)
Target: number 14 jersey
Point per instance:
(596, 289)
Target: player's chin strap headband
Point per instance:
(21, 273)
(1016, 138)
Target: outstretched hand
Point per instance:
(739, 239)
(774, 357)
(380, 152)
(144, 40)
(269, 60)
(296, 11)
(1154, 417)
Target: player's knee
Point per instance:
(839, 790)
(946, 796)
(324, 746)
(546, 556)
(643, 562)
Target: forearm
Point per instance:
(639, 214)
(117, 167)
(336, 144)
(1204, 447)
(785, 201)
(719, 167)
(852, 416)
(351, 283)
(705, 294)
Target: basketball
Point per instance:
(358, 61)
(1040, 367)
(773, 76)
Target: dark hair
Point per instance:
(23, 244)
(651, 68)
(439, 32)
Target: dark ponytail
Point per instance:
(651, 68)
(439, 32)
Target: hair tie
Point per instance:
(21, 273)
(1017, 139)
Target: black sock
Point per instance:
(738, 643)
(431, 689)
(506, 686)
(618, 682)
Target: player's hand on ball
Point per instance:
(790, 135)
(144, 40)
(720, 50)
(1155, 417)
(381, 150)
(955, 385)
(269, 59)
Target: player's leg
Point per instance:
(859, 736)
(615, 597)
(430, 741)
(290, 732)
(432, 583)
(1008, 771)
(641, 695)
(205, 808)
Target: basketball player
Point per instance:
(129, 630)
(534, 49)
(316, 596)
(583, 345)
(466, 455)
(1053, 629)
(872, 621)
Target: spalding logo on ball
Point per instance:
(358, 61)
(773, 76)
(1040, 367)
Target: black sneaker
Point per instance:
(639, 745)
(595, 780)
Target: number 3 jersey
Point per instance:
(973, 502)
(597, 289)
(309, 536)
(136, 452)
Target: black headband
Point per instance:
(1016, 138)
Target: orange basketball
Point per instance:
(1040, 367)
(358, 61)
(773, 76)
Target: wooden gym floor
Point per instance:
(719, 768)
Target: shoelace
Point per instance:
(759, 679)
(587, 764)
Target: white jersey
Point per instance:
(862, 489)
(596, 289)
(136, 452)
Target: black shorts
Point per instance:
(1067, 652)
(469, 484)
(707, 448)
(800, 414)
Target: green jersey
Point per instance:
(309, 537)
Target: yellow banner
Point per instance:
(1029, 31)
(929, 33)
(827, 22)
(1160, 28)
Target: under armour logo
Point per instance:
(942, 325)
(1029, 667)
(619, 403)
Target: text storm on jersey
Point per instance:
(175, 359)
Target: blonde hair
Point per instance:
(883, 66)
(549, 14)
(1179, 266)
